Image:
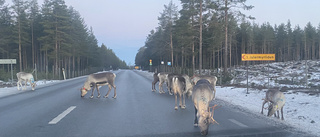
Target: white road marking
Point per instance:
(237, 123)
(62, 115)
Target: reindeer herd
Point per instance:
(201, 88)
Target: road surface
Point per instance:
(58, 111)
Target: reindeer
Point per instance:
(99, 79)
(277, 100)
(169, 81)
(179, 87)
(202, 96)
(155, 80)
(211, 79)
(163, 77)
(27, 77)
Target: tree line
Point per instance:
(210, 34)
(49, 38)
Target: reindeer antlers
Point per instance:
(212, 112)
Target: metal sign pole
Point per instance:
(247, 79)
(268, 75)
(11, 74)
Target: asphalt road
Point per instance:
(59, 111)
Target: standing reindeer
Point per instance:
(181, 86)
(212, 80)
(27, 77)
(163, 77)
(155, 80)
(99, 79)
(277, 100)
(202, 96)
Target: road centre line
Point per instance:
(62, 115)
(237, 123)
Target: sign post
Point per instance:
(9, 61)
(257, 57)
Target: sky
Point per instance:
(123, 26)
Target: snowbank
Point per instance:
(300, 111)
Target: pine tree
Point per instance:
(166, 22)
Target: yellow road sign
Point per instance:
(258, 57)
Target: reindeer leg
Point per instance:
(175, 107)
(25, 85)
(195, 118)
(154, 86)
(108, 91)
(160, 87)
(93, 87)
(180, 100)
(184, 102)
(21, 85)
(18, 84)
(282, 114)
(214, 93)
(115, 91)
(98, 91)
(278, 114)
(264, 102)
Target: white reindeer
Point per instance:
(26, 77)
(202, 96)
(277, 100)
(181, 86)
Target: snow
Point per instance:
(6, 91)
(300, 111)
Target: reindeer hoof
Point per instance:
(106, 96)
(183, 107)
(98, 96)
(176, 108)
(114, 97)
(91, 96)
(195, 124)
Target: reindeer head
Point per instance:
(33, 85)
(83, 91)
(273, 107)
(205, 119)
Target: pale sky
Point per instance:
(123, 25)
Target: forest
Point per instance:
(211, 34)
(49, 38)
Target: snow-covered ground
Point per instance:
(6, 91)
(300, 111)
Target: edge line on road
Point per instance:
(62, 115)
(237, 123)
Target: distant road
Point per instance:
(59, 111)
